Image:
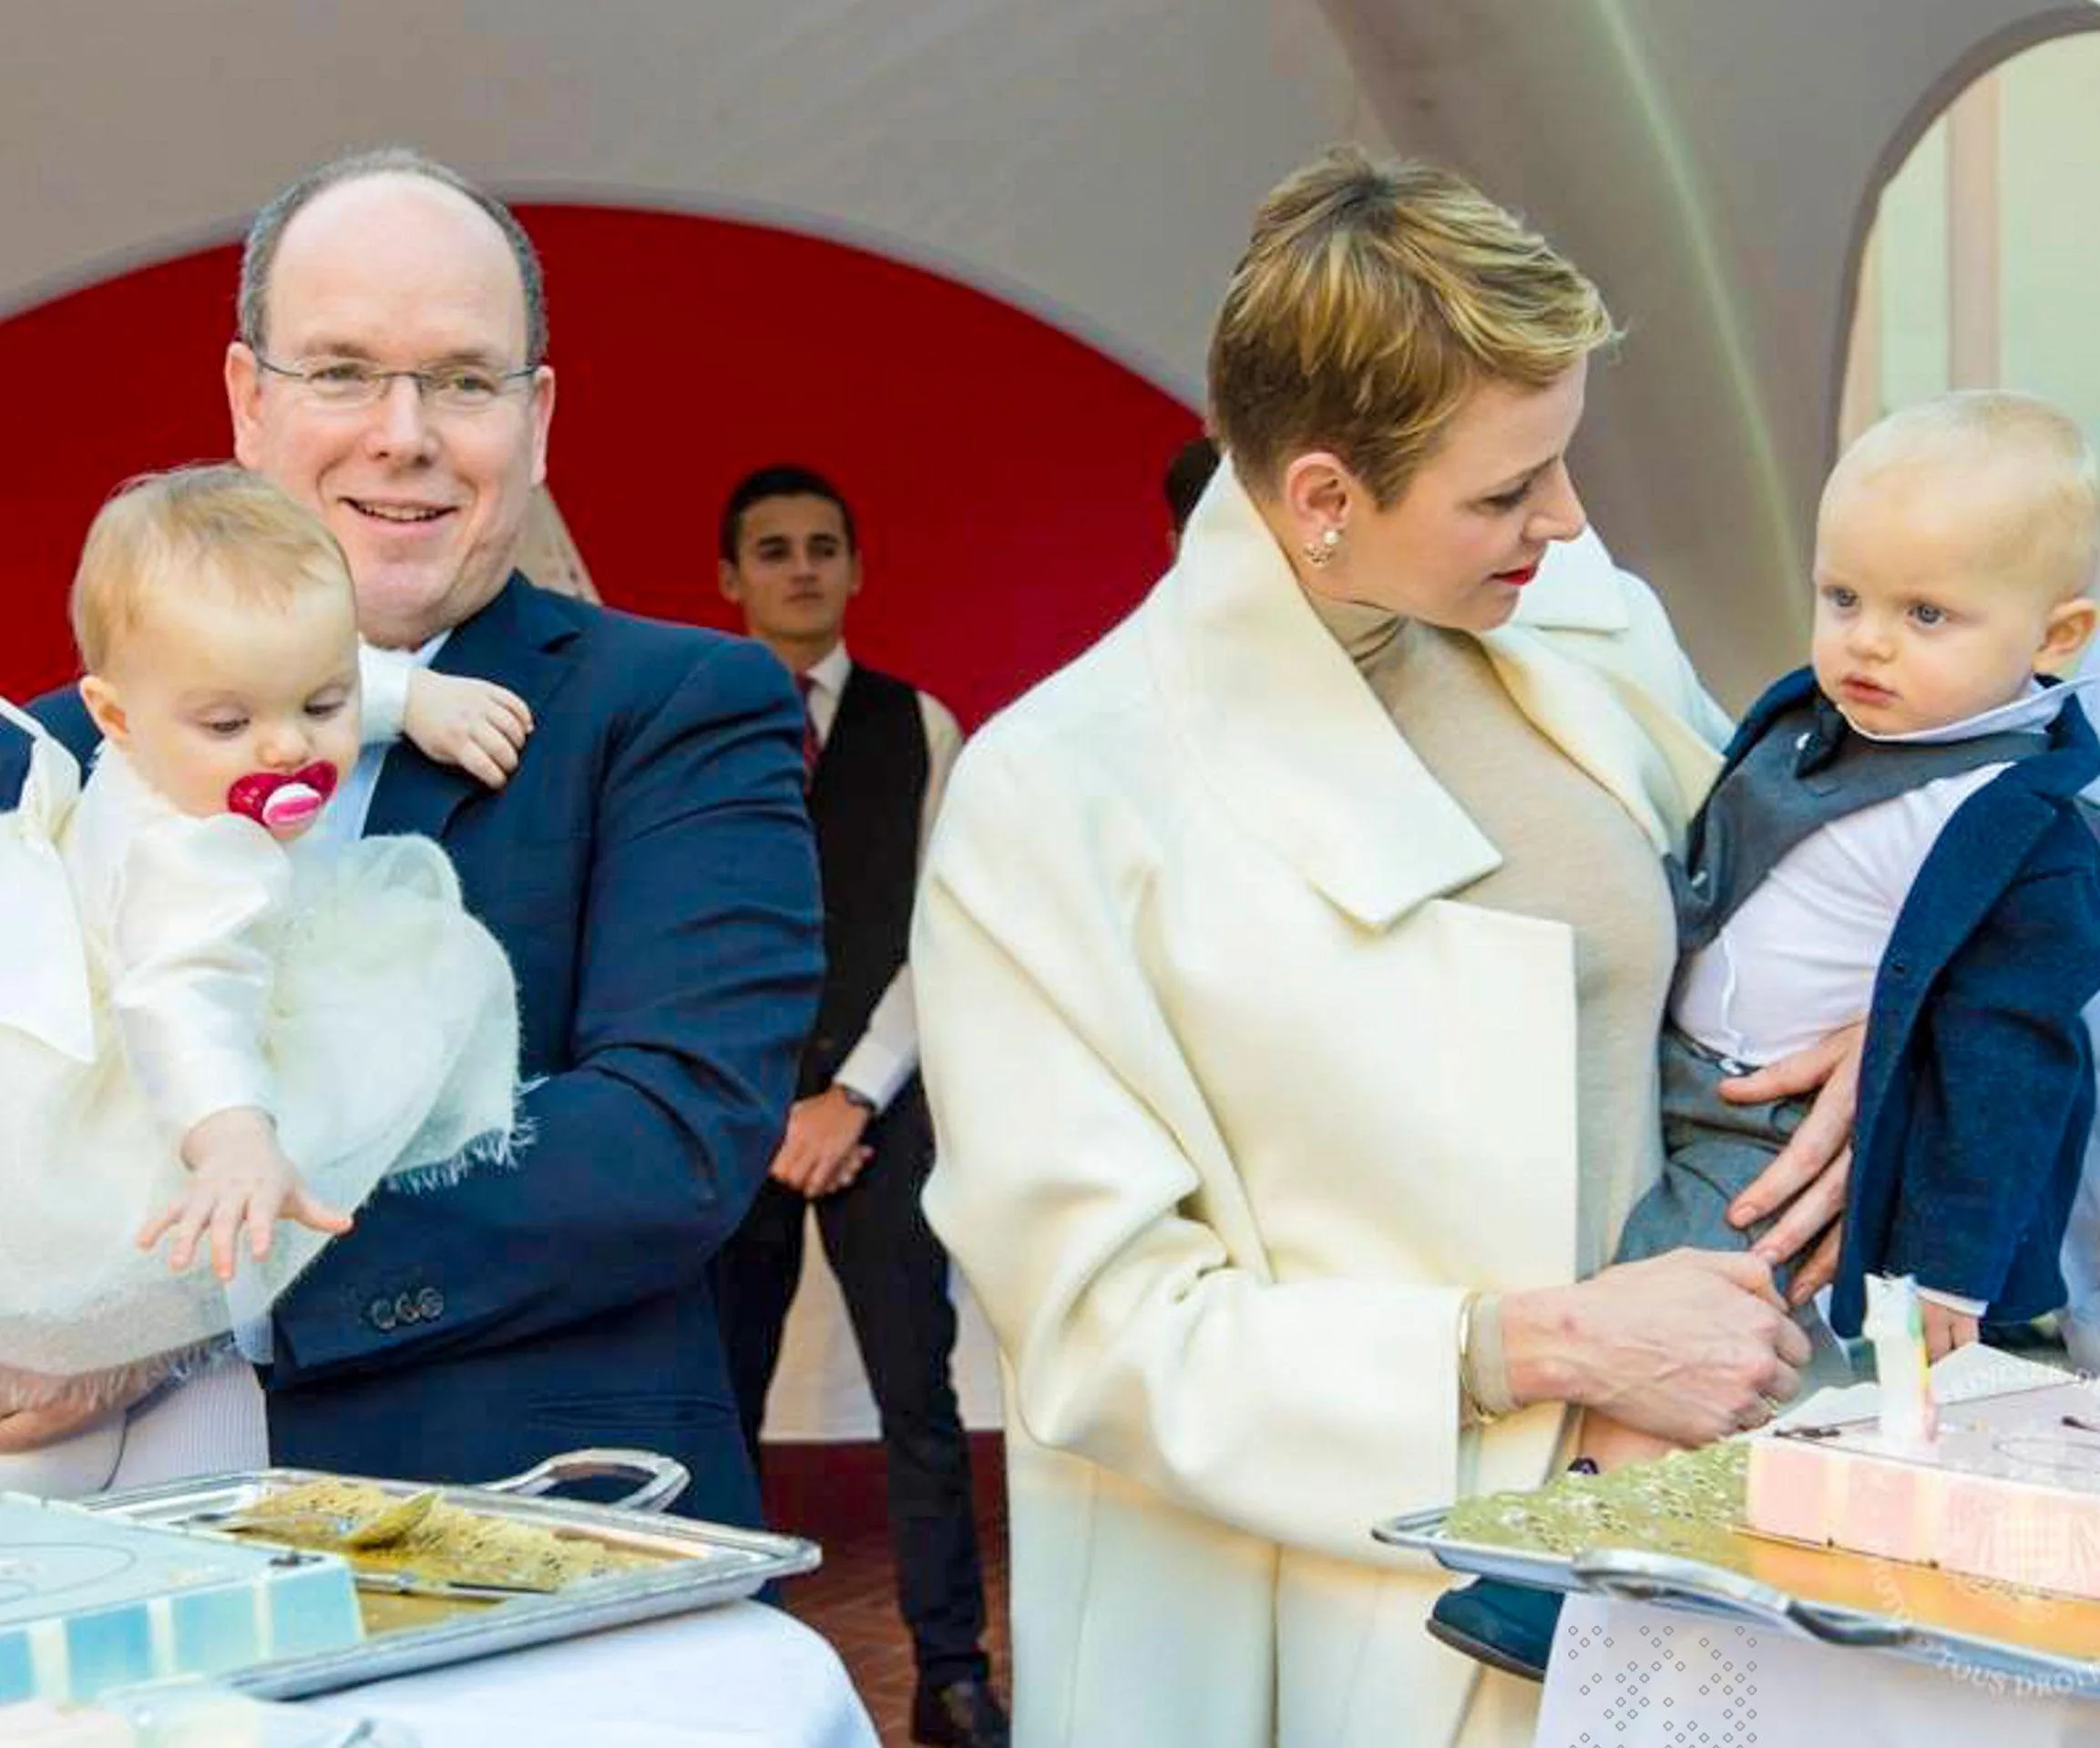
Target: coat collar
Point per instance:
(517, 641)
(2071, 764)
(1303, 754)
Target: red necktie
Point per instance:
(812, 748)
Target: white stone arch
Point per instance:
(1857, 359)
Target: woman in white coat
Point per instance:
(1289, 969)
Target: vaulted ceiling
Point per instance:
(1711, 162)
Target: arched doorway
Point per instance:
(1978, 267)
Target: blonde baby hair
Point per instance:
(2044, 523)
(216, 525)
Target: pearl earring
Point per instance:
(1320, 553)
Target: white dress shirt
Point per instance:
(884, 1058)
(1798, 958)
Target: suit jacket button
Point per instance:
(430, 1304)
(404, 1310)
(379, 1313)
(1899, 968)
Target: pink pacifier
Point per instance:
(283, 803)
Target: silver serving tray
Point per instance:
(705, 1564)
(1694, 1587)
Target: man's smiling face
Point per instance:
(404, 273)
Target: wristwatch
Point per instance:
(854, 1096)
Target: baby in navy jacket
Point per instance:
(1897, 835)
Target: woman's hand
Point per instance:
(1689, 1346)
(1807, 1178)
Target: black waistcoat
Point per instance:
(1806, 769)
(864, 802)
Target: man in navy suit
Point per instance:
(649, 868)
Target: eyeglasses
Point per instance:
(350, 383)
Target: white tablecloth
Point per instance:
(1631, 1676)
(738, 1676)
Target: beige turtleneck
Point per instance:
(1570, 854)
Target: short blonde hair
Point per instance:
(2045, 527)
(217, 526)
(1371, 301)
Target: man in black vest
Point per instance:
(859, 1141)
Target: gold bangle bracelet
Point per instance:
(1470, 1409)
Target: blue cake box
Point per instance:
(90, 1602)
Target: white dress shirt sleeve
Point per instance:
(887, 1054)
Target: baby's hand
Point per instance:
(472, 723)
(1945, 1329)
(241, 1178)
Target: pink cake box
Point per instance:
(2009, 1489)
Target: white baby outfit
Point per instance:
(157, 968)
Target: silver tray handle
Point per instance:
(662, 1478)
(1633, 1577)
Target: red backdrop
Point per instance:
(1005, 477)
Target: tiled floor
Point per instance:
(834, 1493)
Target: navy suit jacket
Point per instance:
(1976, 1088)
(650, 872)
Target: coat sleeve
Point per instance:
(62, 714)
(701, 956)
(2005, 1079)
(14, 749)
(1645, 648)
(1098, 1216)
